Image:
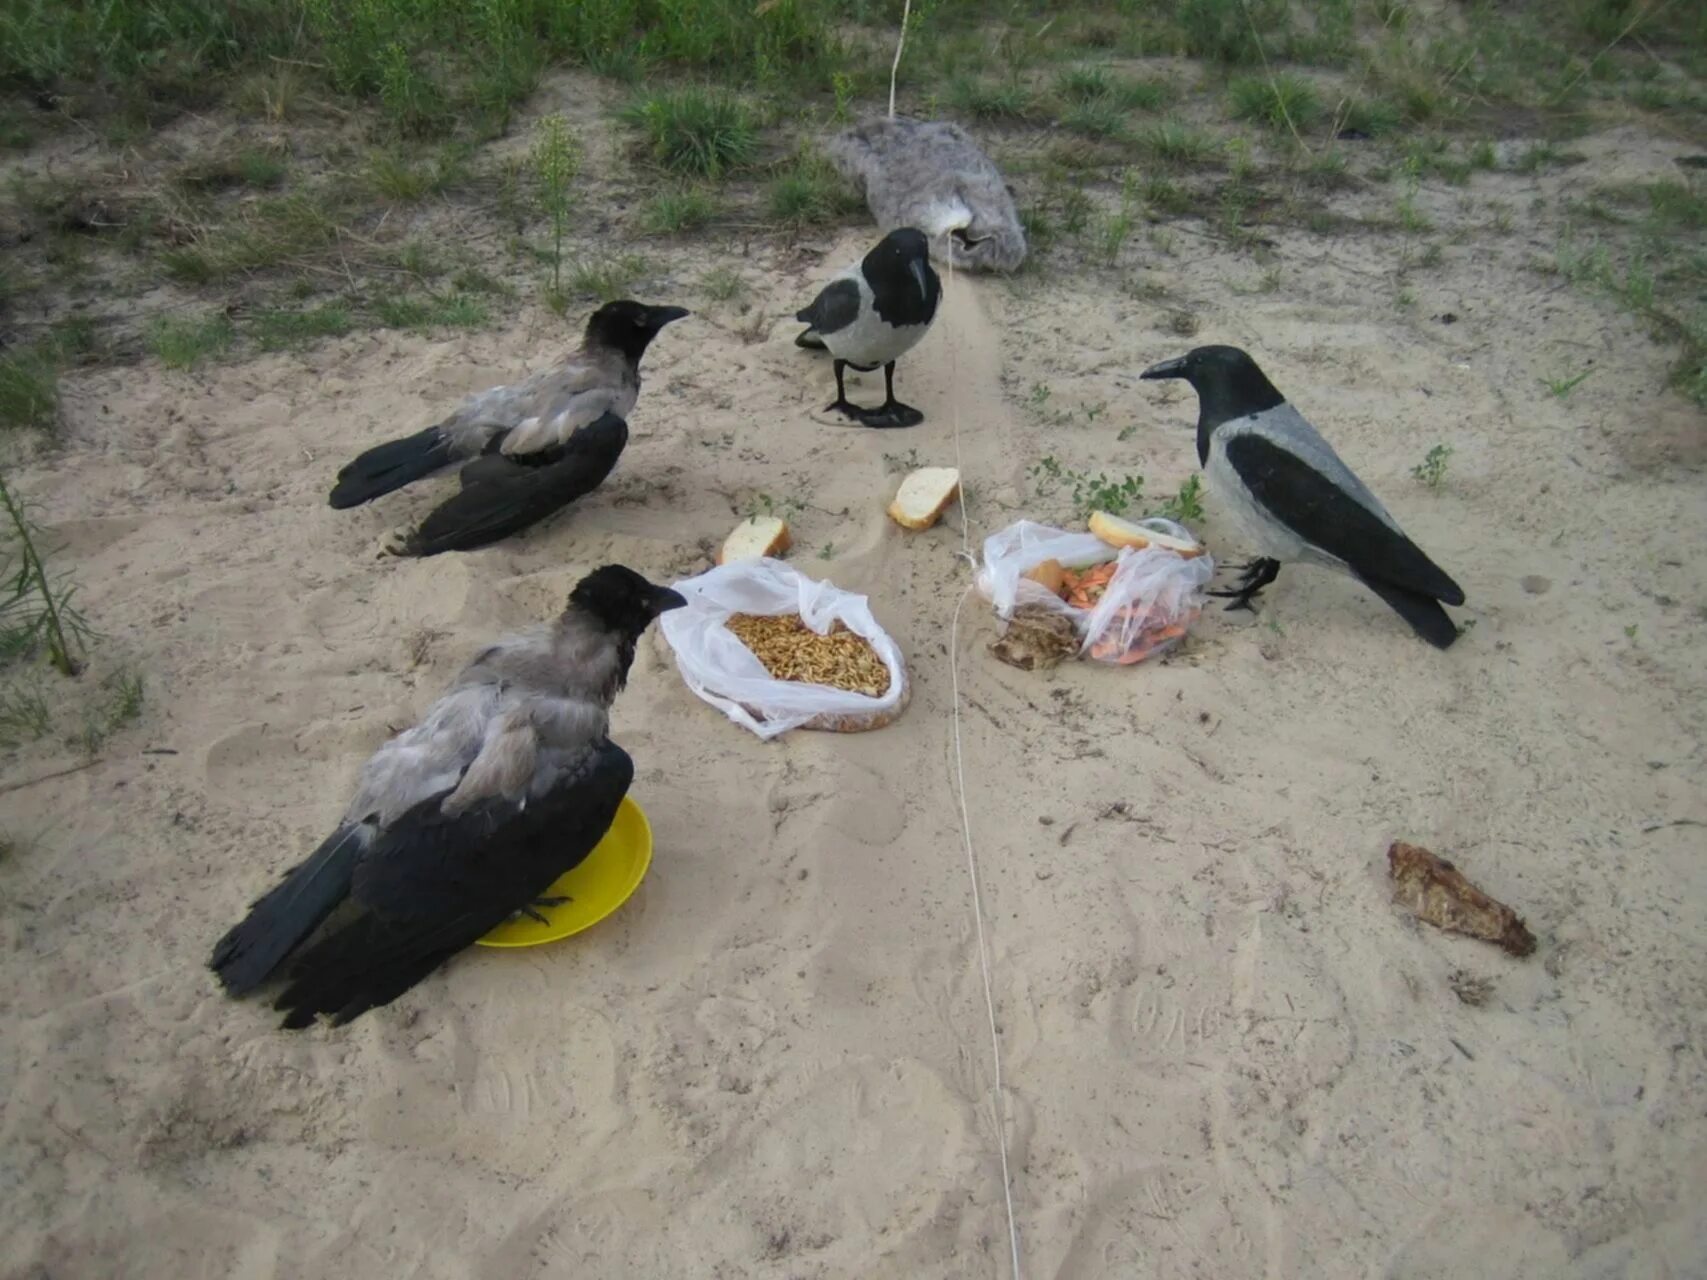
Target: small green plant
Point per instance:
(723, 284)
(452, 310)
(673, 212)
(1175, 143)
(182, 342)
(1562, 387)
(393, 175)
(1432, 469)
(556, 159)
(36, 612)
(1098, 118)
(1099, 492)
(702, 133)
(763, 504)
(29, 390)
(1281, 101)
(1186, 506)
(279, 329)
(24, 715)
(1009, 100)
(606, 279)
(809, 190)
(826, 551)
(1630, 632)
(122, 696)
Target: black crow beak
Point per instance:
(1167, 369)
(664, 599)
(918, 269)
(662, 316)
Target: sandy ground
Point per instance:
(1227, 1055)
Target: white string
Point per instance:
(895, 67)
(999, 1098)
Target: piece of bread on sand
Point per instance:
(755, 538)
(923, 497)
(1123, 533)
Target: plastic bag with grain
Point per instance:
(1144, 609)
(724, 672)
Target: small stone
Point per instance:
(1535, 584)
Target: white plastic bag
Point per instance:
(1154, 591)
(725, 673)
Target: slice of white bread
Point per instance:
(755, 538)
(1123, 533)
(923, 497)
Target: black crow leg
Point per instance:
(842, 404)
(531, 910)
(1257, 575)
(891, 413)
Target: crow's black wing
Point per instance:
(432, 885)
(501, 496)
(836, 307)
(1326, 516)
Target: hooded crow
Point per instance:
(872, 314)
(527, 422)
(1295, 498)
(462, 821)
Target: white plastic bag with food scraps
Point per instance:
(1145, 609)
(727, 674)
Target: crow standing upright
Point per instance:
(462, 821)
(537, 444)
(872, 314)
(1295, 498)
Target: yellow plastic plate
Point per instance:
(605, 880)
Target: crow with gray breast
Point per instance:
(1296, 499)
(460, 822)
(534, 445)
(872, 314)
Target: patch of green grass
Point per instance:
(723, 284)
(674, 212)
(183, 342)
(271, 232)
(280, 329)
(1097, 118)
(606, 279)
(1283, 100)
(1233, 32)
(1431, 471)
(1372, 117)
(701, 133)
(994, 100)
(1677, 206)
(122, 698)
(809, 190)
(24, 715)
(451, 310)
(1165, 195)
(29, 390)
(1173, 142)
(409, 178)
(252, 167)
(1081, 85)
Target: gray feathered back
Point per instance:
(931, 175)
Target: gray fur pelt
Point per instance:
(931, 175)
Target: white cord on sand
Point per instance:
(999, 1098)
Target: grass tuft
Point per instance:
(701, 133)
(183, 342)
(1281, 101)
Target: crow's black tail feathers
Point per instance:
(1424, 613)
(363, 966)
(282, 918)
(388, 467)
(501, 496)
